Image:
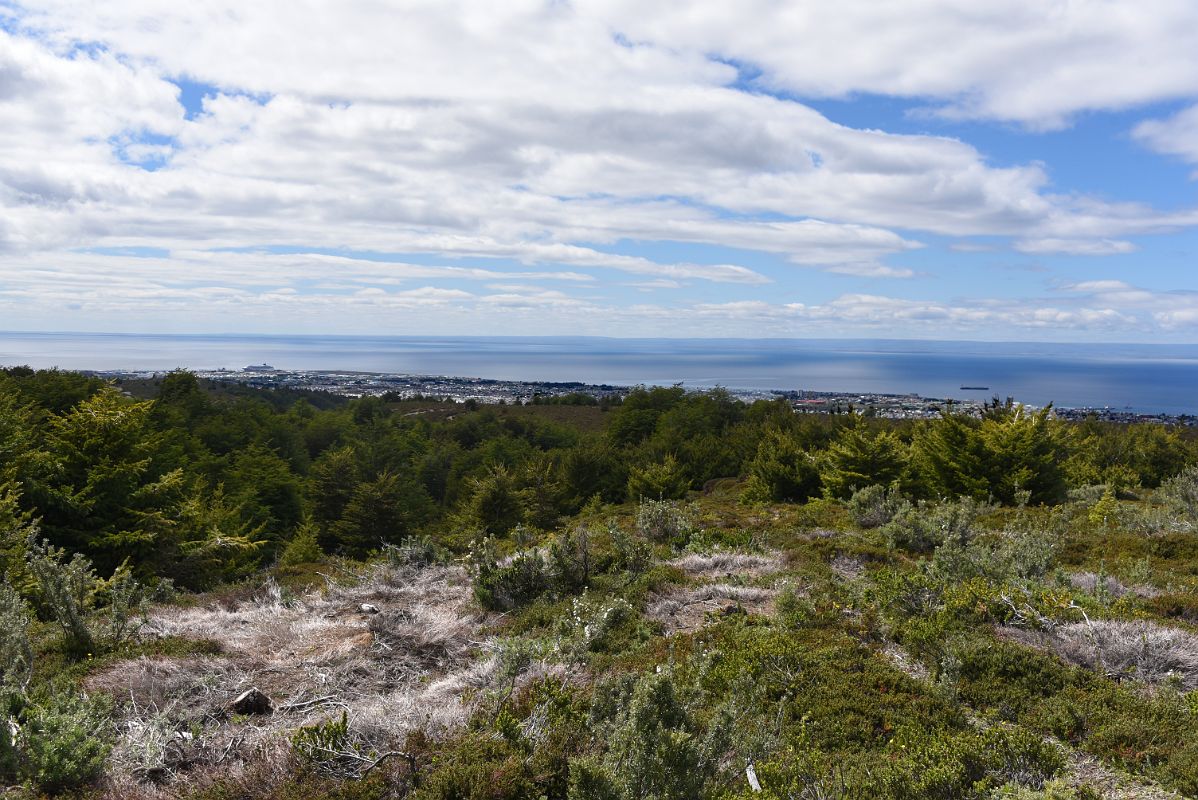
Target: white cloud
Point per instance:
(1029, 61)
(564, 137)
(1076, 247)
(1176, 135)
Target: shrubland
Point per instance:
(220, 594)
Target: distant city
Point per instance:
(491, 391)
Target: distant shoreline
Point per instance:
(350, 383)
(1143, 378)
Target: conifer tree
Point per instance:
(860, 457)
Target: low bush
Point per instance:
(1009, 678)
(654, 747)
(875, 506)
(62, 742)
(923, 527)
(665, 521)
(502, 586)
(1176, 605)
(68, 591)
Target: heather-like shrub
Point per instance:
(126, 604)
(572, 560)
(654, 746)
(414, 551)
(1181, 493)
(597, 626)
(633, 554)
(62, 742)
(70, 590)
(1021, 555)
(326, 745)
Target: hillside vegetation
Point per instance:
(213, 594)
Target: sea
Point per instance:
(1146, 378)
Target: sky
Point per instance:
(990, 169)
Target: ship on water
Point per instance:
(975, 388)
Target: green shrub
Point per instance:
(1176, 605)
(63, 744)
(1022, 555)
(572, 560)
(632, 553)
(598, 626)
(654, 746)
(1058, 789)
(923, 527)
(1010, 678)
(126, 604)
(1181, 493)
(414, 551)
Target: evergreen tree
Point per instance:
(781, 471)
(1025, 451)
(496, 503)
(106, 495)
(385, 510)
(666, 480)
(862, 456)
(949, 458)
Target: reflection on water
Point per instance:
(1147, 377)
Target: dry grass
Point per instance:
(847, 568)
(690, 609)
(1137, 650)
(421, 663)
(1090, 582)
(729, 563)
(1086, 771)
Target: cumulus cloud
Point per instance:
(337, 158)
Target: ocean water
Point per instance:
(1150, 378)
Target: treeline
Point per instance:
(201, 487)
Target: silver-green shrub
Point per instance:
(16, 653)
(68, 591)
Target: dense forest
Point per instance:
(216, 593)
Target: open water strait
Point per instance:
(1151, 378)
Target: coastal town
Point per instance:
(399, 386)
